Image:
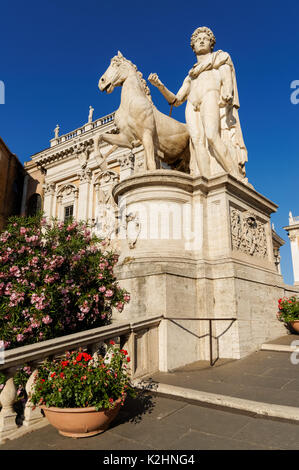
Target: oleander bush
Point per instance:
(55, 278)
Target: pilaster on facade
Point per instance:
(293, 233)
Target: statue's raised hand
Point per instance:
(154, 80)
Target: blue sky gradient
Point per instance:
(53, 53)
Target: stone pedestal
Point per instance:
(193, 249)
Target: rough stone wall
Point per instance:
(11, 184)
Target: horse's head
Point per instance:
(116, 73)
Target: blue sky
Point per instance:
(53, 53)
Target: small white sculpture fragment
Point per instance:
(90, 114)
(56, 131)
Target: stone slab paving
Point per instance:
(264, 376)
(166, 424)
(286, 339)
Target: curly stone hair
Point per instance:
(203, 29)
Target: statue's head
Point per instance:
(203, 30)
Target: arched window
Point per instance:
(34, 204)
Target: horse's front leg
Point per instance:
(149, 150)
(116, 140)
(121, 140)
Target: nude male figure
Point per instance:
(211, 94)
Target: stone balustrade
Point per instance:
(140, 338)
(81, 130)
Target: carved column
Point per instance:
(126, 166)
(49, 191)
(139, 159)
(294, 240)
(84, 189)
(106, 208)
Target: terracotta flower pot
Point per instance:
(81, 422)
(295, 325)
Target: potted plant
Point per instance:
(288, 311)
(81, 394)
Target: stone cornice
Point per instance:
(291, 227)
(190, 184)
(65, 148)
(244, 191)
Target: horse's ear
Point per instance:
(119, 54)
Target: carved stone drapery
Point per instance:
(133, 228)
(248, 233)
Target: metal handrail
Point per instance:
(210, 320)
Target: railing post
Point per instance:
(8, 414)
(32, 413)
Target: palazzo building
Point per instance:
(70, 179)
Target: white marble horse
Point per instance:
(138, 121)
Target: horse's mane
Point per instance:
(118, 59)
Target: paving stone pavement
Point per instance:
(159, 423)
(154, 422)
(264, 376)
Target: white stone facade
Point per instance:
(293, 233)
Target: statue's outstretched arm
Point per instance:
(177, 99)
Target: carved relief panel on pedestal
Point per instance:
(248, 233)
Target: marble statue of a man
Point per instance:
(90, 114)
(56, 131)
(210, 89)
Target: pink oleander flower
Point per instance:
(20, 338)
(14, 270)
(27, 370)
(109, 293)
(102, 289)
(47, 320)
